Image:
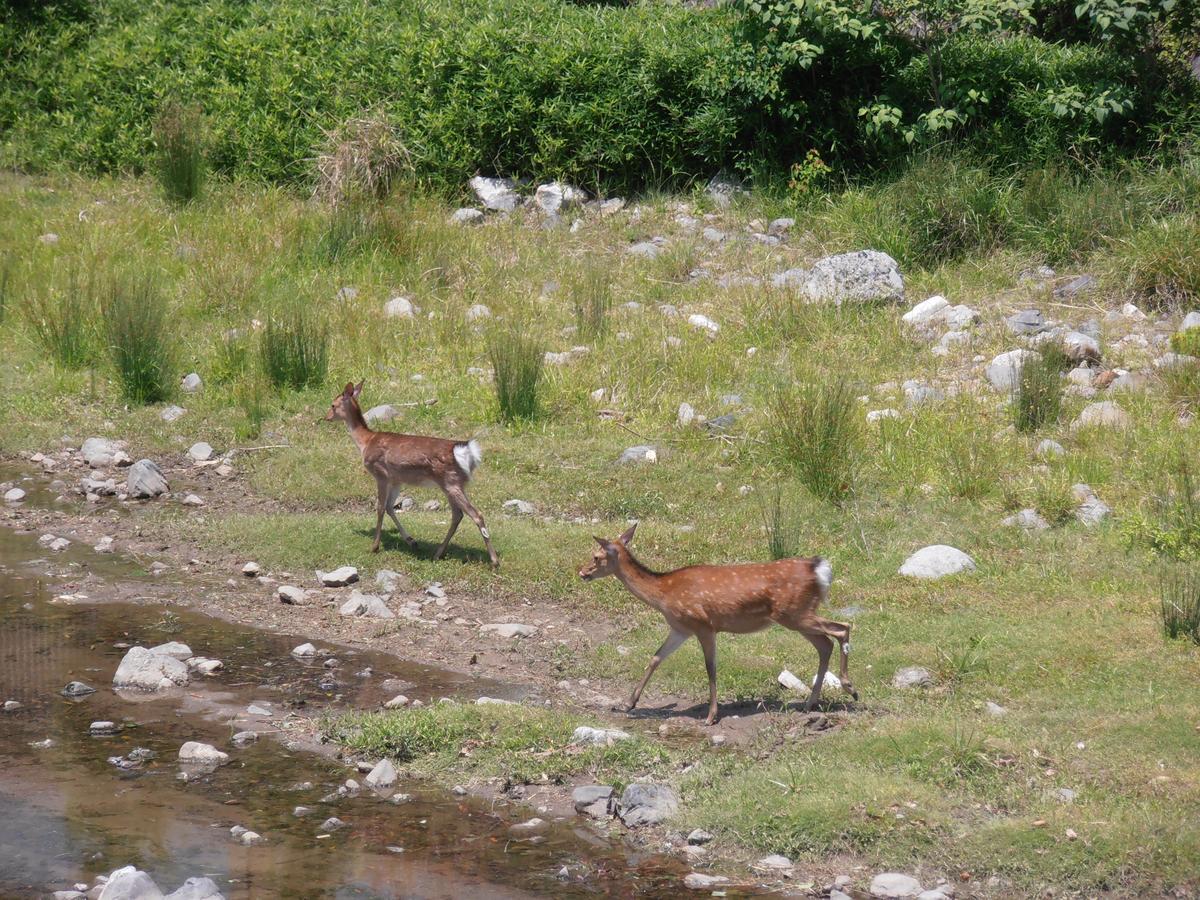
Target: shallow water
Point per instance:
(67, 814)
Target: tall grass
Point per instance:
(781, 526)
(1161, 261)
(294, 349)
(137, 325)
(517, 362)
(6, 268)
(969, 458)
(179, 135)
(62, 315)
(592, 297)
(816, 432)
(1179, 598)
(1037, 399)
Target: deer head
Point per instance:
(606, 558)
(343, 404)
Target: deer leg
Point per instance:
(456, 515)
(824, 646)
(458, 497)
(381, 503)
(669, 646)
(708, 643)
(393, 492)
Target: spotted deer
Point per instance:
(399, 459)
(702, 601)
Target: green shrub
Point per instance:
(294, 348)
(1037, 400)
(1170, 526)
(62, 315)
(137, 325)
(1187, 342)
(179, 135)
(816, 432)
(517, 361)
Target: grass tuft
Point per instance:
(1180, 605)
(516, 374)
(1037, 400)
(179, 134)
(817, 434)
(781, 526)
(295, 349)
(137, 326)
(592, 297)
(63, 316)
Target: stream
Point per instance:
(69, 814)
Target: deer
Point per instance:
(399, 459)
(702, 601)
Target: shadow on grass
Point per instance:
(391, 542)
(743, 709)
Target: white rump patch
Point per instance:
(824, 572)
(468, 456)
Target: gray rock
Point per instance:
(14, 495)
(171, 413)
(130, 883)
(792, 278)
(1027, 321)
(640, 453)
(103, 727)
(509, 630)
(244, 738)
(912, 677)
(721, 423)
(895, 885)
(875, 415)
(291, 595)
(644, 249)
(477, 313)
(686, 415)
(593, 800)
(1004, 371)
(197, 889)
(77, 689)
(713, 235)
(1081, 347)
(519, 507)
(201, 754)
(585, 735)
(383, 775)
(1091, 510)
(780, 226)
(995, 709)
(368, 605)
(1170, 361)
(1048, 449)
(698, 881)
(145, 480)
(556, 197)
(861, 276)
(467, 216)
(646, 804)
(1029, 519)
(101, 453)
(144, 670)
(937, 561)
(396, 702)
(174, 649)
(1078, 285)
(339, 577)
(1191, 320)
(389, 581)
(704, 323)
(346, 293)
(499, 194)
(917, 393)
(775, 862)
(698, 837)
(1106, 414)
(723, 188)
(527, 829)
(191, 383)
(384, 412)
(402, 307)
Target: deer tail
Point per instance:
(824, 575)
(468, 455)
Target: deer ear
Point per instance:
(599, 540)
(358, 388)
(348, 390)
(627, 537)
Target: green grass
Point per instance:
(61, 310)
(1037, 401)
(138, 327)
(179, 134)
(1062, 627)
(517, 360)
(294, 348)
(816, 429)
(1181, 605)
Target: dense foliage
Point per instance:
(613, 95)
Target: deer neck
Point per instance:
(360, 432)
(640, 581)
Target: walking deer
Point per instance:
(740, 599)
(399, 459)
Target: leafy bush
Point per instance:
(295, 348)
(517, 361)
(63, 316)
(137, 324)
(816, 432)
(179, 134)
(1037, 400)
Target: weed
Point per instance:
(63, 316)
(517, 361)
(252, 398)
(349, 228)
(816, 432)
(1172, 526)
(963, 663)
(1054, 498)
(232, 358)
(968, 456)
(294, 349)
(781, 526)
(179, 134)
(1179, 593)
(1187, 342)
(592, 297)
(137, 325)
(360, 160)
(1037, 400)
